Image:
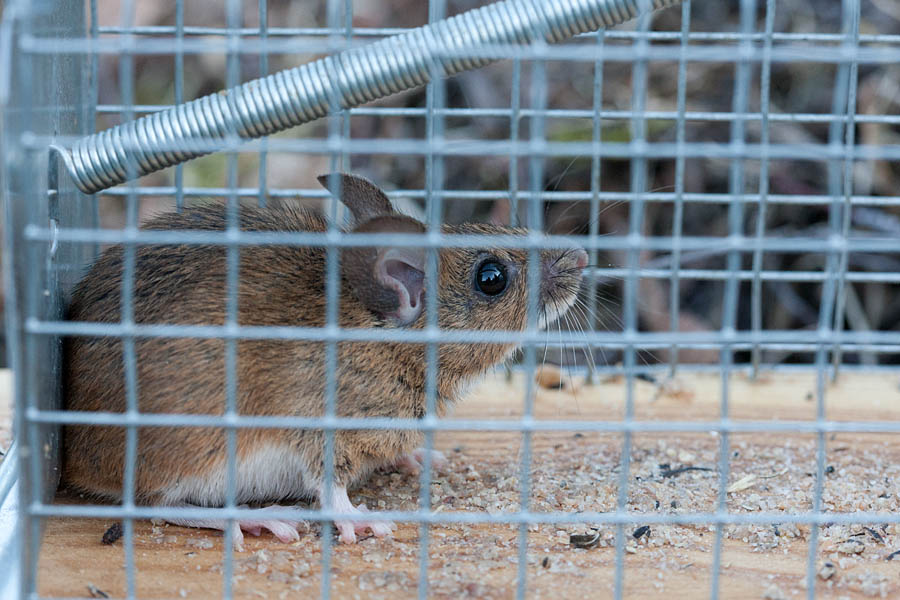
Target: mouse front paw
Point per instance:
(349, 529)
(414, 461)
(355, 521)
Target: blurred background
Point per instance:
(796, 87)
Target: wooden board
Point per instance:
(6, 414)
(571, 471)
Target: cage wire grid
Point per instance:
(60, 231)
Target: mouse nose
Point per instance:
(581, 258)
(570, 262)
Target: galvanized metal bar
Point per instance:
(878, 53)
(355, 76)
(259, 422)
(886, 340)
(337, 152)
(852, 40)
(573, 113)
(731, 296)
(678, 209)
(126, 308)
(549, 196)
(435, 98)
(262, 169)
(831, 306)
(594, 206)
(233, 19)
(631, 288)
(179, 94)
(537, 92)
(756, 291)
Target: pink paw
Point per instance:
(414, 461)
(349, 529)
(356, 516)
(285, 530)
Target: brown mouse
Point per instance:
(384, 287)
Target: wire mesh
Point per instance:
(667, 149)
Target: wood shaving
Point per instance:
(585, 540)
(773, 592)
(744, 483)
(550, 377)
(851, 546)
(826, 571)
(200, 543)
(389, 581)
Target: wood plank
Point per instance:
(571, 471)
(6, 410)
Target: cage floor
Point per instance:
(571, 471)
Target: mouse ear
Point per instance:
(364, 199)
(389, 280)
(402, 270)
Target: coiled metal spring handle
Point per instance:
(350, 78)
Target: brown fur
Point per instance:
(278, 285)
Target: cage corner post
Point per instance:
(46, 100)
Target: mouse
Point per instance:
(384, 287)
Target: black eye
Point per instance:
(491, 278)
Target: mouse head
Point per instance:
(481, 287)
(486, 287)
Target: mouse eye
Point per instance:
(491, 278)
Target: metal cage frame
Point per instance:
(51, 228)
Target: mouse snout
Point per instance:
(581, 258)
(562, 275)
(569, 262)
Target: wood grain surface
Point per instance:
(570, 471)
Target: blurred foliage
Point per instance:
(796, 87)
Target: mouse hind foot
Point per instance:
(349, 529)
(356, 521)
(256, 521)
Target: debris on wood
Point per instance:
(96, 592)
(389, 581)
(744, 483)
(665, 470)
(827, 571)
(585, 540)
(773, 592)
(641, 532)
(112, 534)
(675, 388)
(201, 543)
(550, 377)
(773, 475)
(851, 546)
(875, 535)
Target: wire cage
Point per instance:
(725, 419)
